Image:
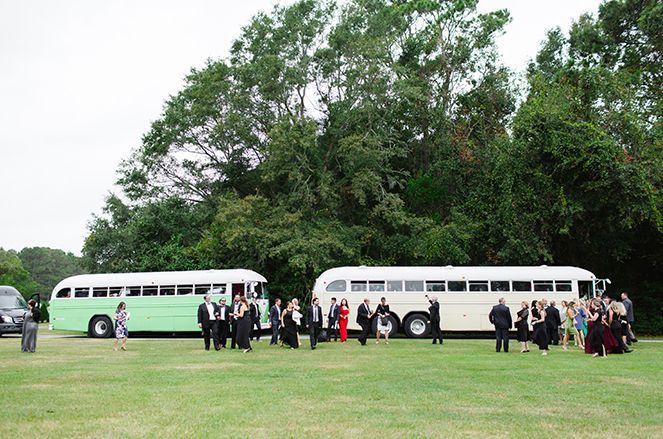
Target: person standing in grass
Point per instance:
(208, 313)
(332, 319)
(344, 317)
(314, 321)
(255, 318)
(500, 316)
(275, 321)
(569, 324)
(595, 337)
(223, 322)
(630, 319)
(244, 325)
(383, 321)
(580, 323)
(290, 337)
(540, 332)
(364, 315)
(434, 313)
(522, 326)
(121, 316)
(234, 322)
(30, 326)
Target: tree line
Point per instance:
(388, 132)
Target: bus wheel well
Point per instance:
(100, 326)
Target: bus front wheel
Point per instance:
(100, 327)
(417, 326)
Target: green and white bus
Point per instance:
(160, 301)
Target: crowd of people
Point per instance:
(599, 326)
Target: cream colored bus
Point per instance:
(466, 294)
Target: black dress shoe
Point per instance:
(628, 351)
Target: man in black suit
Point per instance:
(275, 320)
(332, 319)
(434, 311)
(364, 315)
(500, 316)
(223, 321)
(233, 322)
(553, 320)
(314, 320)
(254, 312)
(207, 314)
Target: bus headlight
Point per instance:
(7, 319)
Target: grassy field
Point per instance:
(79, 387)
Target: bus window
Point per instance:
(358, 285)
(394, 285)
(586, 289)
(115, 291)
(519, 285)
(376, 285)
(435, 286)
(337, 285)
(260, 289)
(500, 286)
(478, 285)
(238, 289)
(203, 289)
(150, 291)
(82, 292)
(168, 290)
(219, 288)
(563, 285)
(183, 290)
(457, 285)
(543, 285)
(132, 291)
(414, 285)
(64, 293)
(99, 292)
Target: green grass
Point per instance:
(172, 388)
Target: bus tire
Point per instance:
(417, 326)
(393, 325)
(100, 327)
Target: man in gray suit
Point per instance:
(500, 316)
(629, 317)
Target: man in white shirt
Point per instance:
(207, 315)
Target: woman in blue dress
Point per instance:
(121, 316)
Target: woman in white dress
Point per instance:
(297, 317)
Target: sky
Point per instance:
(81, 82)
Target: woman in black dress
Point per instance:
(244, 325)
(539, 334)
(595, 337)
(289, 327)
(522, 325)
(382, 323)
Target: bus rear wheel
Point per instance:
(100, 327)
(417, 326)
(393, 325)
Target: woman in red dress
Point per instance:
(343, 321)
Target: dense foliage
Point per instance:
(388, 132)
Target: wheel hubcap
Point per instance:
(417, 327)
(100, 327)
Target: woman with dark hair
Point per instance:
(522, 326)
(244, 325)
(289, 327)
(540, 334)
(30, 326)
(344, 313)
(595, 337)
(383, 321)
(121, 316)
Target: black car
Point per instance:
(12, 309)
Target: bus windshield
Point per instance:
(12, 302)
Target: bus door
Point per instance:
(238, 289)
(585, 289)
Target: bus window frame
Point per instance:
(76, 290)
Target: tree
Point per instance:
(49, 266)
(12, 273)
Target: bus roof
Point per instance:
(160, 278)
(449, 272)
